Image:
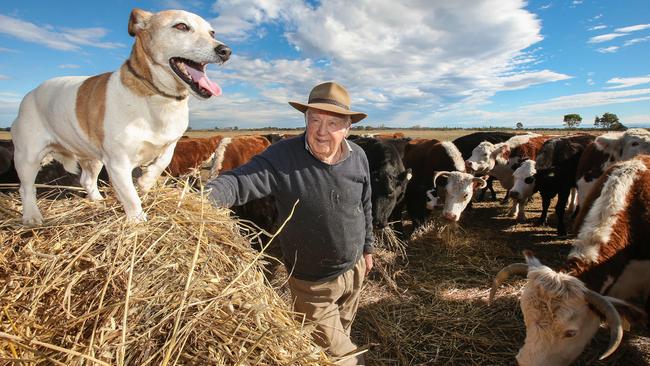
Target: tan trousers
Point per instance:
(332, 306)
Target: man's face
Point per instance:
(325, 132)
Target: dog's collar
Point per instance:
(150, 85)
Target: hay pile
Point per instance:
(183, 288)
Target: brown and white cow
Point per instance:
(233, 152)
(191, 153)
(605, 151)
(607, 270)
(425, 159)
(457, 192)
(501, 160)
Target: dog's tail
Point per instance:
(69, 163)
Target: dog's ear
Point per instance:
(138, 20)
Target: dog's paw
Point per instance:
(145, 184)
(33, 220)
(95, 196)
(136, 219)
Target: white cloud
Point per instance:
(544, 7)
(3, 49)
(68, 66)
(65, 39)
(4, 77)
(590, 99)
(590, 81)
(577, 2)
(633, 28)
(452, 53)
(636, 40)
(628, 82)
(605, 37)
(597, 27)
(611, 49)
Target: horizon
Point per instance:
(463, 64)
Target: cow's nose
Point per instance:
(514, 194)
(223, 52)
(378, 224)
(450, 216)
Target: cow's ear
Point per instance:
(138, 21)
(479, 183)
(630, 313)
(501, 151)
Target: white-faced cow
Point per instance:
(605, 151)
(425, 159)
(501, 160)
(552, 173)
(456, 192)
(605, 274)
(466, 145)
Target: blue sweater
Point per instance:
(332, 224)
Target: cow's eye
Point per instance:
(182, 27)
(466, 195)
(529, 180)
(570, 333)
(635, 143)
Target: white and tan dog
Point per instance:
(124, 119)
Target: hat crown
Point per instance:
(332, 93)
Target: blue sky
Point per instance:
(466, 63)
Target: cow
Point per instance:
(605, 151)
(233, 152)
(501, 160)
(552, 173)
(466, 145)
(191, 153)
(605, 273)
(424, 160)
(52, 172)
(457, 192)
(388, 177)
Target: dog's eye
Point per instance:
(529, 180)
(212, 34)
(182, 27)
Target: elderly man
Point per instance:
(327, 244)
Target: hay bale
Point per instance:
(184, 287)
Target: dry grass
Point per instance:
(183, 288)
(432, 310)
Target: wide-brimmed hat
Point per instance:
(331, 97)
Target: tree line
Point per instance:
(608, 121)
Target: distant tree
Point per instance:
(189, 128)
(572, 120)
(609, 121)
(235, 128)
(520, 125)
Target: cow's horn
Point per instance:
(605, 307)
(513, 269)
(438, 174)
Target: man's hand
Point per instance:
(368, 259)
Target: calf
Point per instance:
(605, 151)
(388, 178)
(605, 271)
(552, 174)
(424, 160)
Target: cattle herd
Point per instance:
(603, 182)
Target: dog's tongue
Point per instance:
(201, 78)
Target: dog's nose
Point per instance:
(223, 52)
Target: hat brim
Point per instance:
(354, 116)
